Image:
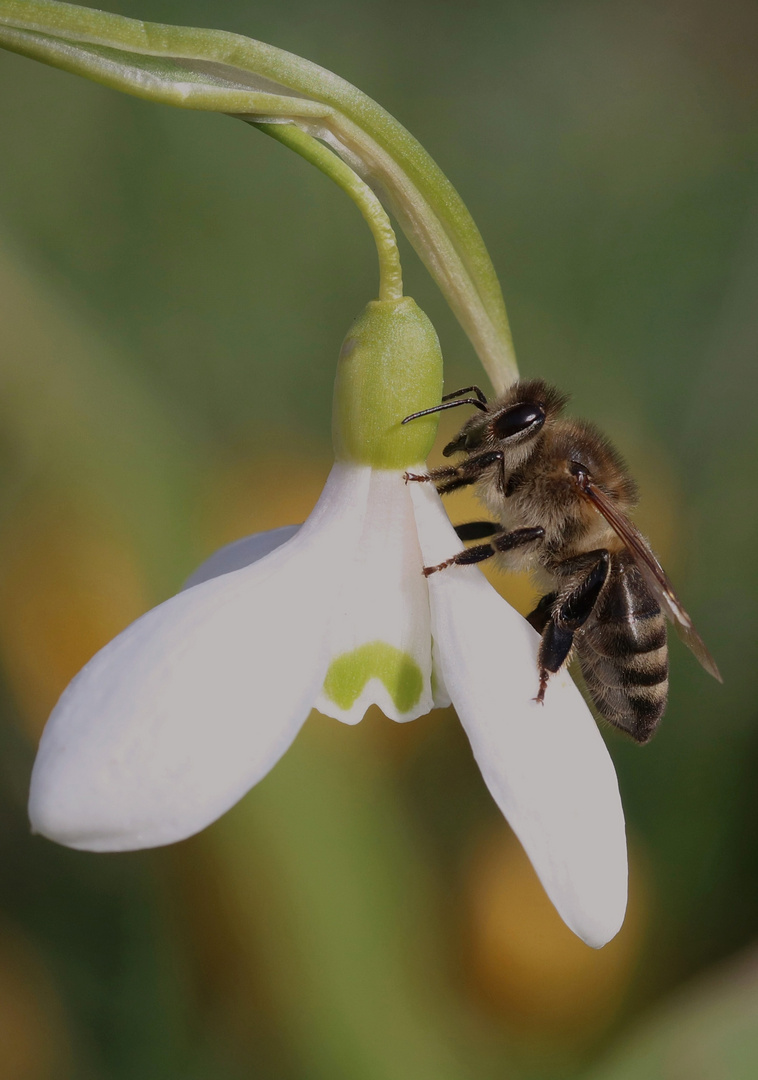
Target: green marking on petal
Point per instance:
(349, 673)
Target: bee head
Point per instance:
(513, 422)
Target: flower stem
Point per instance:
(216, 71)
(390, 271)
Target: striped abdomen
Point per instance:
(623, 653)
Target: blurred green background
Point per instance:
(174, 288)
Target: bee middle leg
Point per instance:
(504, 541)
(568, 613)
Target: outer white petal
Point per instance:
(546, 766)
(383, 598)
(175, 719)
(241, 553)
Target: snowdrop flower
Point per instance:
(173, 721)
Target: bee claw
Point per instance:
(414, 476)
(440, 566)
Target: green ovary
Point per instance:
(349, 673)
(390, 366)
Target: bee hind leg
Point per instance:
(565, 617)
(541, 614)
(555, 647)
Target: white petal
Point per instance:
(383, 605)
(241, 553)
(546, 765)
(380, 595)
(176, 718)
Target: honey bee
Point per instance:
(560, 496)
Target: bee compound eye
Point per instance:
(518, 419)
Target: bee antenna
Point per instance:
(447, 405)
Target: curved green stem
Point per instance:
(390, 271)
(212, 70)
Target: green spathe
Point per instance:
(349, 673)
(390, 365)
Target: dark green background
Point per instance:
(176, 289)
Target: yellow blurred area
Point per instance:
(69, 582)
(33, 1040)
(525, 965)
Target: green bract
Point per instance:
(390, 365)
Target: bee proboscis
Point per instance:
(560, 496)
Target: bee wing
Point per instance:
(652, 572)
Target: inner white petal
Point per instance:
(381, 610)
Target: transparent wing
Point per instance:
(651, 570)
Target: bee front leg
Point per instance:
(449, 478)
(568, 615)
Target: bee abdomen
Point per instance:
(636, 711)
(629, 691)
(642, 635)
(624, 655)
(632, 674)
